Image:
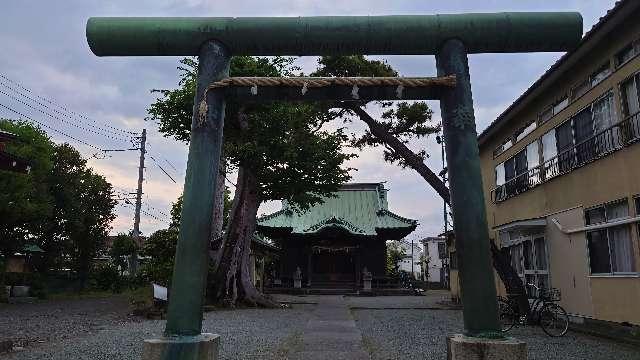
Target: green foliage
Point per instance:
(395, 253)
(352, 66)
(107, 278)
(25, 200)
(176, 209)
(282, 143)
(403, 120)
(123, 246)
(160, 247)
(61, 205)
(37, 288)
(83, 210)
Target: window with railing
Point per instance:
(590, 134)
(630, 94)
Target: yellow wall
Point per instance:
(565, 197)
(616, 299)
(568, 267)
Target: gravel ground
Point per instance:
(102, 329)
(75, 334)
(420, 334)
(60, 319)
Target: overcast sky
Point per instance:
(43, 48)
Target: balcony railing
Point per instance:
(601, 144)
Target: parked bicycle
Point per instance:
(543, 311)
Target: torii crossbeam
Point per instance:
(215, 40)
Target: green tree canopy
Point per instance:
(283, 143)
(62, 205)
(25, 200)
(123, 245)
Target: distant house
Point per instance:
(412, 261)
(436, 259)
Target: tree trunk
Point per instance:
(217, 240)
(501, 264)
(231, 281)
(413, 160)
(3, 294)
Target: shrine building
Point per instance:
(333, 242)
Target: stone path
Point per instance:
(331, 333)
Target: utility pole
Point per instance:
(413, 274)
(136, 219)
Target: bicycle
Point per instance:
(544, 311)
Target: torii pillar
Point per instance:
(450, 37)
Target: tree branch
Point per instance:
(412, 160)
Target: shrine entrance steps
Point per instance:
(338, 288)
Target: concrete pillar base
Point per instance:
(460, 347)
(200, 347)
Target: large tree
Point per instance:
(61, 205)
(280, 153)
(25, 200)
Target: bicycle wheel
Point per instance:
(554, 320)
(508, 315)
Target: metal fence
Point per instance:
(599, 145)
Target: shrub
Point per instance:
(107, 278)
(37, 288)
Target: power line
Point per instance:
(151, 208)
(129, 203)
(50, 128)
(107, 133)
(57, 118)
(163, 158)
(64, 107)
(161, 168)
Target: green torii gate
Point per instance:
(449, 37)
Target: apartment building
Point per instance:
(561, 174)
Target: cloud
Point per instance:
(53, 59)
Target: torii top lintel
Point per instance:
(336, 35)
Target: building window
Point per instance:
(500, 174)
(610, 249)
(526, 131)
(442, 250)
(560, 105)
(503, 147)
(529, 259)
(630, 94)
(580, 89)
(533, 160)
(628, 53)
(600, 74)
(545, 115)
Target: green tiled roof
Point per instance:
(358, 209)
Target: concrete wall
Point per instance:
(565, 197)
